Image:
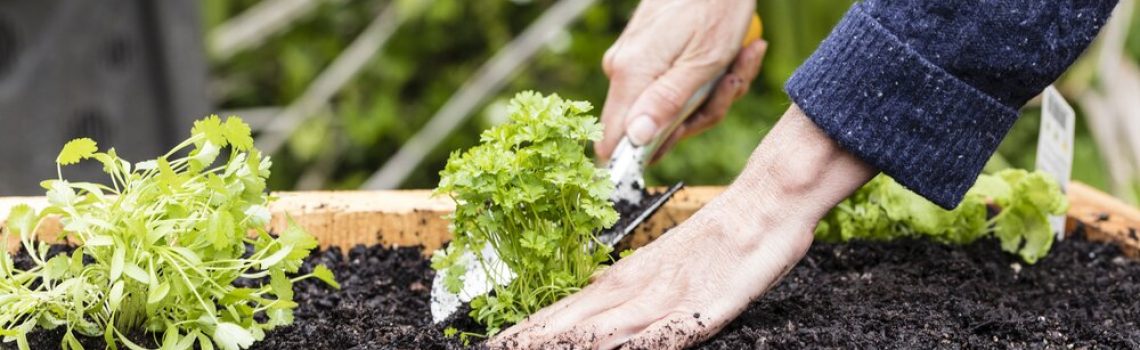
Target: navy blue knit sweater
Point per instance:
(924, 90)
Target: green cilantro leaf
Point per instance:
(453, 278)
(76, 150)
(237, 133)
(230, 336)
(211, 130)
(323, 273)
(22, 219)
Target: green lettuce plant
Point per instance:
(531, 193)
(885, 210)
(159, 249)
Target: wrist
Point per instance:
(793, 178)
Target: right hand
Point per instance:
(669, 49)
(694, 280)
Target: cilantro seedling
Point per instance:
(531, 193)
(885, 210)
(158, 249)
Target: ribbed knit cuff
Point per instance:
(885, 103)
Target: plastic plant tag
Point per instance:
(1055, 146)
(476, 282)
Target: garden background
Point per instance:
(437, 46)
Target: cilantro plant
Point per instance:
(529, 192)
(159, 249)
(885, 210)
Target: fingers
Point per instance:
(540, 318)
(748, 62)
(626, 83)
(734, 85)
(706, 117)
(673, 332)
(557, 320)
(609, 329)
(606, 329)
(664, 99)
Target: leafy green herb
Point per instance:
(76, 150)
(159, 249)
(531, 193)
(885, 210)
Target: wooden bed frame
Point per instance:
(415, 218)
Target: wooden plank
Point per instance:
(390, 218)
(345, 219)
(1103, 218)
(414, 218)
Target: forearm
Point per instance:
(925, 90)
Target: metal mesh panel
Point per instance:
(128, 73)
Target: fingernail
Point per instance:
(642, 130)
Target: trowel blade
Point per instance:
(615, 234)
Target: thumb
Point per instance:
(660, 104)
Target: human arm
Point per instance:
(926, 90)
(886, 91)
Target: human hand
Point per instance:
(669, 49)
(692, 281)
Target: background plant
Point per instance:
(530, 192)
(884, 210)
(159, 249)
(430, 56)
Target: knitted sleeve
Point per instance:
(925, 90)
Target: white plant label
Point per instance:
(1055, 146)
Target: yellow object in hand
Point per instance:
(755, 30)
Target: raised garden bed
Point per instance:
(910, 294)
(906, 294)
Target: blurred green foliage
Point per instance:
(431, 56)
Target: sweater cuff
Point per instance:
(897, 111)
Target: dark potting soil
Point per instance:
(630, 211)
(907, 294)
(921, 295)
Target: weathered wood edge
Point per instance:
(1103, 218)
(414, 218)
